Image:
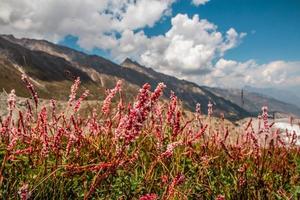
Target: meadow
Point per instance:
(146, 149)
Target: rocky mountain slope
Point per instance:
(52, 68)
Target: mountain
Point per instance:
(52, 68)
(252, 101)
(280, 94)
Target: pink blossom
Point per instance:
(24, 192)
(172, 108)
(170, 149)
(220, 197)
(23, 151)
(198, 108)
(131, 124)
(31, 89)
(149, 197)
(265, 118)
(110, 96)
(81, 98)
(158, 120)
(74, 89)
(176, 125)
(11, 101)
(179, 179)
(157, 93)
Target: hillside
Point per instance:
(52, 68)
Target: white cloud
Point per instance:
(199, 2)
(189, 46)
(94, 22)
(143, 13)
(229, 73)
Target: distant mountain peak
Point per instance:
(128, 60)
(129, 63)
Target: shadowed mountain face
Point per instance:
(52, 68)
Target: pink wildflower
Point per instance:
(198, 108)
(43, 129)
(176, 125)
(220, 197)
(23, 151)
(110, 96)
(149, 197)
(74, 89)
(31, 89)
(157, 93)
(179, 179)
(164, 179)
(24, 192)
(158, 120)
(131, 124)
(172, 108)
(265, 118)
(170, 149)
(81, 98)
(11, 101)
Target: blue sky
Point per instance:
(224, 43)
(272, 27)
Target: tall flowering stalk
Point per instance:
(31, 89)
(110, 95)
(265, 118)
(79, 101)
(157, 93)
(53, 108)
(170, 149)
(158, 125)
(11, 101)
(172, 108)
(73, 92)
(198, 114)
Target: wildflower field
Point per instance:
(147, 149)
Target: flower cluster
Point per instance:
(150, 149)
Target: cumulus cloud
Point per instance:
(189, 46)
(230, 73)
(199, 2)
(94, 22)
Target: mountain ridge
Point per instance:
(99, 73)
